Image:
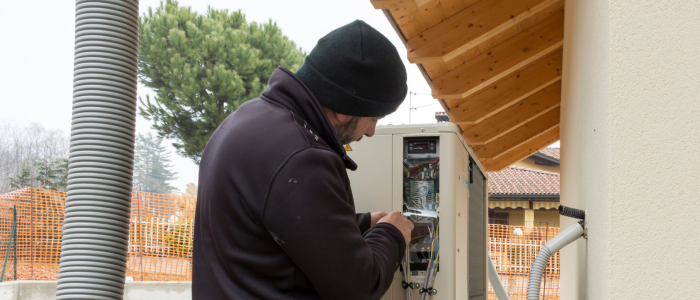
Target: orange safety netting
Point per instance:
(513, 250)
(160, 241)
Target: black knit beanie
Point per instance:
(356, 71)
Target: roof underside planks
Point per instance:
(495, 66)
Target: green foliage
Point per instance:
(152, 169)
(21, 179)
(46, 173)
(53, 174)
(202, 68)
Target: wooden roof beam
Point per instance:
(506, 92)
(507, 58)
(514, 116)
(471, 27)
(389, 4)
(519, 136)
(517, 154)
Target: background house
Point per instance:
(527, 193)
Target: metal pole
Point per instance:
(7, 254)
(410, 107)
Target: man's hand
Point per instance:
(399, 221)
(376, 216)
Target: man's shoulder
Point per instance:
(315, 157)
(260, 130)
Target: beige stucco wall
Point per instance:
(630, 135)
(530, 164)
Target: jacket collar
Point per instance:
(287, 90)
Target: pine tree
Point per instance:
(152, 169)
(61, 178)
(52, 174)
(21, 179)
(202, 68)
(43, 173)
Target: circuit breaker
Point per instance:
(428, 173)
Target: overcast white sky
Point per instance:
(37, 51)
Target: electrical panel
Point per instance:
(428, 173)
(421, 199)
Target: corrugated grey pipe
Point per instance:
(564, 238)
(496, 281)
(572, 212)
(98, 202)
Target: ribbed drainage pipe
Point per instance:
(572, 212)
(98, 201)
(568, 236)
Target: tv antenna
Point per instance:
(411, 108)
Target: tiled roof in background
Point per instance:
(521, 181)
(441, 116)
(551, 152)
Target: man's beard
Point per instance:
(346, 133)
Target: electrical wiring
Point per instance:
(407, 275)
(435, 240)
(417, 202)
(430, 231)
(427, 199)
(418, 237)
(424, 188)
(434, 162)
(435, 265)
(437, 254)
(433, 262)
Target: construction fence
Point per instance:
(513, 250)
(160, 241)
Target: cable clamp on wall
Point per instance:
(411, 285)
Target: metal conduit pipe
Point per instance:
(564, 238)
(98, 200)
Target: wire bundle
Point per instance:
(406, 270)
(433, 262)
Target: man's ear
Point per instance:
(342, 118)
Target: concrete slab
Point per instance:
(134, 290)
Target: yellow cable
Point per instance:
(418, 237)
(437, 234)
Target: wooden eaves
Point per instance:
(494, 65)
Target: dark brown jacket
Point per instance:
(275, 215)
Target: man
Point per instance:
(275, 215)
